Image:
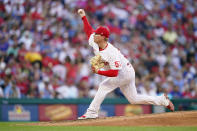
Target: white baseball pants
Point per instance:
(126, 82)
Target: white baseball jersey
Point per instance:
(111, 55)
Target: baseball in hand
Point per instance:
(81, 12)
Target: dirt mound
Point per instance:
(188, 118)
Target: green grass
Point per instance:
(11, 126)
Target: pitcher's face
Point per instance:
(98, 38)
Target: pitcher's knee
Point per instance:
(103, 90)
(103, 84)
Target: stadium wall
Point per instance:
(70, 109)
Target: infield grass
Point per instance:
(14, 126)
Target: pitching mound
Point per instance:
(188, 118)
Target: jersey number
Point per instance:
(117, 63)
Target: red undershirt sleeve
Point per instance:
(109, 73)
(87, 27)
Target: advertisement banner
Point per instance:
(105, 110)
(0, 112)
(57, 112)
(19, 112)
(158, 109)
(130, 110)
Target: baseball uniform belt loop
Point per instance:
(129, 65)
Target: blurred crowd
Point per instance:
(44, 51)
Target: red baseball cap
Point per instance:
(104, 31)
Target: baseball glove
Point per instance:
(96, 62)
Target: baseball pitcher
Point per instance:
(109, 61)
